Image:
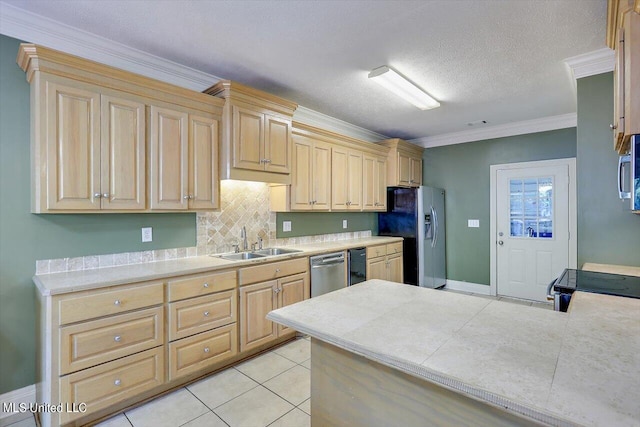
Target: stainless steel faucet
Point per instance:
(243, 236)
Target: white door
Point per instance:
(532, 227)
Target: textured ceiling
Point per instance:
(500, 61)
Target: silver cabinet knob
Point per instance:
(500, 242)
(116, 382)
(117, 338)
(206, 350)
(97, 195)
(206, 314)
(267, 160)
(277, 290)
(105, 195)
(277, 270)
(188, 197)
(206, 285)
(613, 127)
(117, 302)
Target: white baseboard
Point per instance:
(16, 397)
(476, 288)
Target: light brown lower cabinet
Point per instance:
(107, 384)
(257, 300)
(195, 353)
(385, 262)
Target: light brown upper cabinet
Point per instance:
(404, 163)
(623, 35)
(106, 140)
(257, 142)
(311, 177)
(374, 183)
(92, 149)
(183, 160)
(332, 172)
(346, 181)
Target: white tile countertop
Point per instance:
(575, 368)
(59, 283)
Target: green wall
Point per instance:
(313, 223)
(25, 237)
(463, 171)
(607, 232)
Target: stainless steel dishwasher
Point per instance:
(328, 273)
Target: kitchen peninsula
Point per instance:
(391, 354)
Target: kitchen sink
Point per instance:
(241, 256)
(261, 253)
(275, 251)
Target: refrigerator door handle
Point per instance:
(435, 227)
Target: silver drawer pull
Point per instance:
(206, 314)
(206, 350)
(206, 285)
(277, 270)
(117, 338)
(116, 382)
(117, 302)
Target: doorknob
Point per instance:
(500, 242)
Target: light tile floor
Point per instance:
(272, 389)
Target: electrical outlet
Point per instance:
(147, 234)
(344, 223)
(473, 223)
(286, 226)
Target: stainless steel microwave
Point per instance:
(629, 175)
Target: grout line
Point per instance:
(224, 403)
(127, 418)
(283, 415)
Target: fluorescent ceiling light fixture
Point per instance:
(391, 80)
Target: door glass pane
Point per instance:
(531, 207)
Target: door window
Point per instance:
(531, 207)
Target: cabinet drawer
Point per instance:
(200, 314)
(192, 354)
(112, 382)
(93, 304)
(274, 270)
(394, 248)
(203, 284)
(90, 343)
(376, 251)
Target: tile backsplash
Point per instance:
(242, 204)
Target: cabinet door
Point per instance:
(394, 268)
(618, 88)
(416, 172)
(301, 184)
(169, 159)
(204, 183)
(380, 184)
(73, 148)
(248, 139)
(256, 301)
(293, 289)
(340, 178)
(277, 144)
(354, 181)
(377, 268)
(369, 185)
(123, 147)
(321, 179)
(631, 74)
(404, 169)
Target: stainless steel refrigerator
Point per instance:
(417, 215)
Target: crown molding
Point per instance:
(591, 63)
(562, 121)
(30, 27)
(310, 117)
